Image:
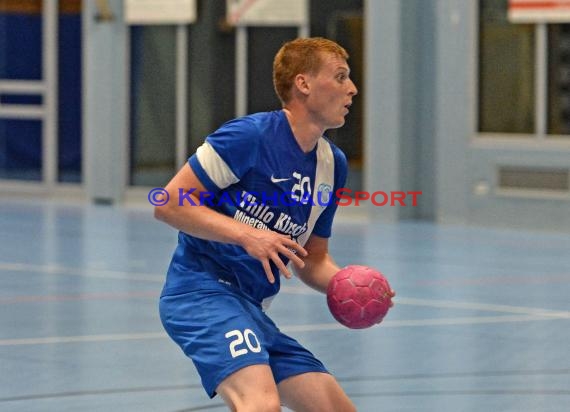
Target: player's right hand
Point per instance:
(266, 246)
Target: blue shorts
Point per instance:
(223, 331)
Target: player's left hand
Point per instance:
(392, 294)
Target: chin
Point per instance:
(338, 124)
(335, 123)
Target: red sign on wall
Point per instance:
(539, 11)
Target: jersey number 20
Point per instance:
(237, 347)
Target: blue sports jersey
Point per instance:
(255, 172)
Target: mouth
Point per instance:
(347, 106)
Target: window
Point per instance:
(559, 79)
(153, 89)
(524, 75)
(506, 71)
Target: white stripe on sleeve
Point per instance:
(216, 168)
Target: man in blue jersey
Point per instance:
(257, 195)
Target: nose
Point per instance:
(352, 90)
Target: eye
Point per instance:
(342, 77)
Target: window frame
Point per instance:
(540, 134)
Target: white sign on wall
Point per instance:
(160, 11)
(267, 12)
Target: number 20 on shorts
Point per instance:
(242, 341)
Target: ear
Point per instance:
(302, 84)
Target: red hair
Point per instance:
(302, 55)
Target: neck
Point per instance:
(306, 133)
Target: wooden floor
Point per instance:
(481, 321)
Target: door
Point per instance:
(40, 94)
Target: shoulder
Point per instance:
(254, 120)
(249, 127)
(244, 124)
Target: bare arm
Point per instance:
(319, 265)
(205, 223)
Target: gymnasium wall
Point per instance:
(413, 126)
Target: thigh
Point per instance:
(251, 388)
(287, 357)
(217, 331)
(314, 392)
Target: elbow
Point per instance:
(168, 214)
(161, 213)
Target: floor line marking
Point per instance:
(483, 307)
(82, 272)
(301, 290)
(449, 304)
(288, 329)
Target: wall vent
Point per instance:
(534, 178)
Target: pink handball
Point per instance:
(358, 296)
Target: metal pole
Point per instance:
(241, 70)
(540, 81)
(181, 94)
(49, 67)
